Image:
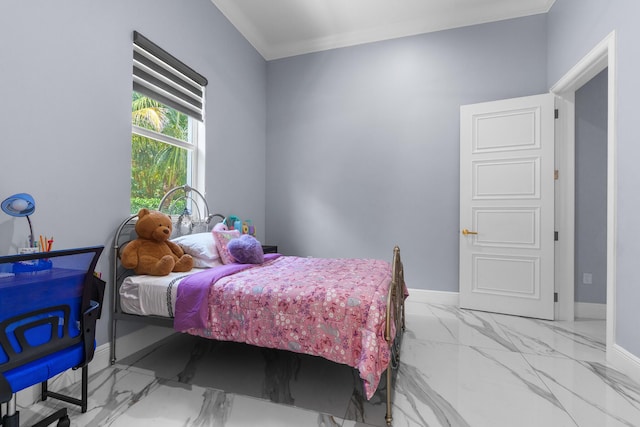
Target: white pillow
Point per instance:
(201, 247)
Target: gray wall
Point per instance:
(574, 28)
(363, 142)
(65, 113)
(591, 190)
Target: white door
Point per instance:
(507, 198)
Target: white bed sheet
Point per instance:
(151, 295)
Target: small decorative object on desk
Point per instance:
(32, 266)
(45, 243)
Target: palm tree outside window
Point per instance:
(163, 146)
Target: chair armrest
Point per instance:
(5, 389)
(93, 306)
(97, 292)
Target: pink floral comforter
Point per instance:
(333, 308)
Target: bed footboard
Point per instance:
(395, 323)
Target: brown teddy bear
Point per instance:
(152, 252)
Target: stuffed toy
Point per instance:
(221, 226)
(152, 252)
(246, 249)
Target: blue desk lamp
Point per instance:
(21, 204)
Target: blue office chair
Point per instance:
(49, 304)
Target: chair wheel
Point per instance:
(64, 422)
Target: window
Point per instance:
(163, 144)
(167, 110)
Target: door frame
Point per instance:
(600, 57)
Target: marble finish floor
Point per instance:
(458, 368)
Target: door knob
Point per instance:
(467, 232)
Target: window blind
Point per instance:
(159, 75)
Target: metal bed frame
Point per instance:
(394, 320)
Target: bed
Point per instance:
(348, 311)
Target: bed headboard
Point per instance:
(188, 209)
(200, 222)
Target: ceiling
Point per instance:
(282, 28)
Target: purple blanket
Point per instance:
(191, 309)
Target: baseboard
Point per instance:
(586, 310)
(138, 340)
(101, 358)
(624, 361)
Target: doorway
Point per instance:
(600, 58)
(591, 199)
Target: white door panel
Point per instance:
(507, 198)
(489, 130)
(507, 227)
(506, 276)
(490, 183)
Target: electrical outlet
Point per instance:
(587, 278)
